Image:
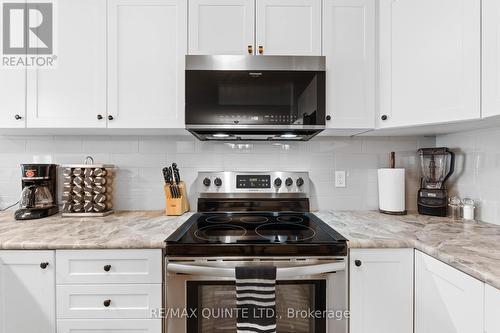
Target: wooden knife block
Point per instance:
(176, 206)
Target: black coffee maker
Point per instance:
(437, 166)
(39, 191)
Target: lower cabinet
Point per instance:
(381, 290)
(446, 300)
(492, 310)
(109, 326)
(27, 292)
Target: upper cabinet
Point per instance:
(146, 59)
(491, 58)
(429, 61)
(260, 27)
(73, 94)
(288, 27)
(446, 300)
(221, 26)
(349, 47)
(12, 98)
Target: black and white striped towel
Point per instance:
(256, 299)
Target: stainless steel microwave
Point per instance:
(250, 98)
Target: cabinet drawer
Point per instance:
(128, 301)
(109, 325)
(108, 266)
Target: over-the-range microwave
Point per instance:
(232, 97)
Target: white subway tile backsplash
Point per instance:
(139, 181)
(477, 169)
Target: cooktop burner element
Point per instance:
(224, 233)
(284, 232)
(254, 219)
(290, 219)
(218, 219)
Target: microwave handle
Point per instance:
(281, 273)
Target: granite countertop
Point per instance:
(473, 248)
(122, 230)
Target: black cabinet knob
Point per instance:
(107, 268)
(289, 182)
(328, 117)
(357, 263)
(110, 117)
(107, 303)
(99, 117)
(18, 117)
(206, 182)
(44, 265)
(384, 117)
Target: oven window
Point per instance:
(215, 304)
(255, 98)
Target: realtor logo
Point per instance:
(28, 34)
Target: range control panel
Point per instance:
(275, 182)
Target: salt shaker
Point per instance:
(455, 205)
(468, 208)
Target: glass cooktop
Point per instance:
(269, 230)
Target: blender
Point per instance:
(437, 166)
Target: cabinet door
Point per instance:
(446, 300)
(429, 61)
(221, 26)
(288, 27)
(381, 290)
(147, 45)
(12, 98)
(27, 292)
(349, 47)
(72, 94)
(491, 55)
(492, 309)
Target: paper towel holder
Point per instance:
(391, 189)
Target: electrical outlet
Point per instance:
(340, 179)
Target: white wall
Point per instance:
(140, 160)
(477, 174)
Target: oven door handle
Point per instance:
(281, 273)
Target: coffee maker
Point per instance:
(39, 191)
(437, 166)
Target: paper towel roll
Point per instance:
(391, 191)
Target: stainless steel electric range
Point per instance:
(256, 218)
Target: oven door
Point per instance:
(311, 295)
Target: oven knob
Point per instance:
(300, 182)
(218, 182)
(289, 181)
(206, 181)
(277, 182)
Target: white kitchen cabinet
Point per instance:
(27, 292)
(381, 290)
(446, 300)
(491, 58)
(73, 93)
(147, 42)
(12, 98)
(429, 61)
(349, 47)
(109, 326)
(221, 26)
(491, 309)
(288, 27)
